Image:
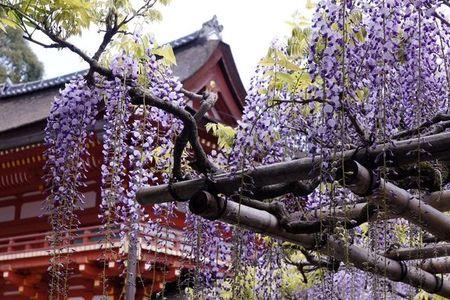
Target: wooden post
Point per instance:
(261, 221)
(130, 281)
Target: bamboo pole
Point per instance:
(397, 201)
(298, 169)
(205, 205)
(429, 251)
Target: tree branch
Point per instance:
(441, 18)
(30, 39)
(137, 93)
(191, 95)
(425, 125)
(189, 122)
(312, 262)
(111, 29)
(429, 251)
(182, 140)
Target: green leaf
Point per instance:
(361, 94)
(225, 134)
(166, 51)
(284, 77)
(303, 80)
(309, 4)
(361, 35)
(8, 23)
(154, 15)
(267, 61)
(335, 26)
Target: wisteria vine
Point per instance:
(364, 73)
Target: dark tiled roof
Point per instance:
(209, 28)
(33, 86)
(26, 103)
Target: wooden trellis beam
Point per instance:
(440, 265)
(208, 206)
(401, 202)
(396, 200)
(432, 147)
(429, 251)
(439, 200)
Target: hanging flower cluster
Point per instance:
(67, 133)
(372, 70)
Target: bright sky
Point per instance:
(249, 27)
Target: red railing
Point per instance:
(171, 237)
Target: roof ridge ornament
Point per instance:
(211, 29)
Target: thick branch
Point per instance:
(111, 29)
(182, 140)
(439, 200)
(189, 122)
(315, 221)
(296, 223)
(441, 127)
(191, 95)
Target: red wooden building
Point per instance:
(202, 59)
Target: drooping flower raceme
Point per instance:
(372, 69)
(68, 130)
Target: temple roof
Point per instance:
(27, 103)
(191, 52)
